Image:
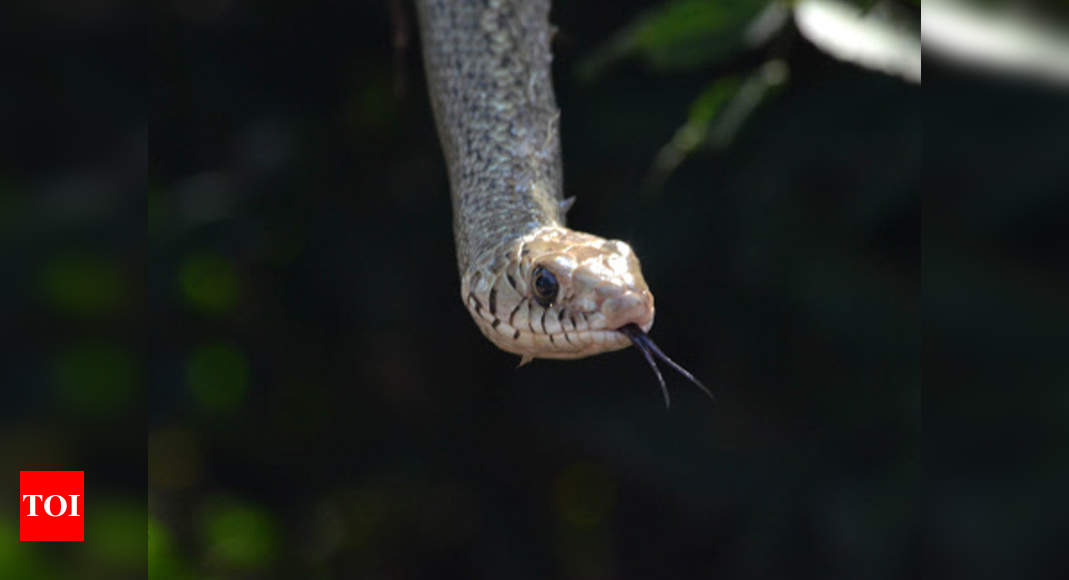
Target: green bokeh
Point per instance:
(115, 529)
(83, 285)
(238, 534)
(218, 376)
(95, 379)
(19, 559)
(209, 283)
(163, 559)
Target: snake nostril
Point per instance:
(629, 307)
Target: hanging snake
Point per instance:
(533, 286)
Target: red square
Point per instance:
(51, 506)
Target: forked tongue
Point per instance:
(650, 350)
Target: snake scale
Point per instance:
(533, 286)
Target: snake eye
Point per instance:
(545, 286)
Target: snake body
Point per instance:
(533, 286)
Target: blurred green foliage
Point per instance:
(115, 532)
(687, 35)
(96, 379)
(22, 559)
(694, 132)
(238, 535)
(711, 100)
(217, 375)
(164, 562)
(690, 35)
(115, 540)
(678, 35)
(84, 284)
(209, 283)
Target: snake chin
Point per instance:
(567, 345)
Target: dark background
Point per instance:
(322, 401)
(320, 404)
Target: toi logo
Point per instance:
(51, 505)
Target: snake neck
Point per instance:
(488, 74)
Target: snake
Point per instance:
(533, 286)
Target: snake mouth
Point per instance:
(649, 349)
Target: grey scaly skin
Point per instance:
(533, 286)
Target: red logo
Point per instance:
(51, 506)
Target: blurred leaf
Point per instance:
(693, 133)
(238, 534)
(83, 285)
(95, 379)
(218, 376)
(209, 283)
(684, 34)
(716, 117)
(711, 100)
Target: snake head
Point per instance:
(558, 293)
